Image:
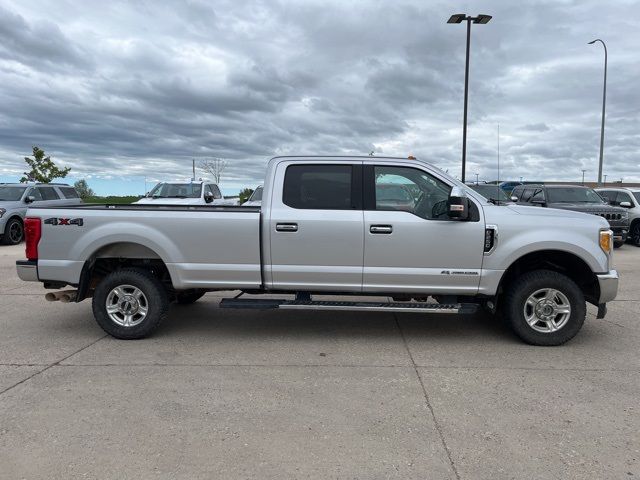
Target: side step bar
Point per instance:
(417, 307)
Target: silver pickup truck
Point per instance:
(331, 226)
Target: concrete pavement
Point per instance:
(246, 394)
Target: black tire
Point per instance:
(154, 296)
(618, 244)
(13, 232)
(531, 282)
(634, 234)
(189, 297)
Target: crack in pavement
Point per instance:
(50, 365)
(428, 402)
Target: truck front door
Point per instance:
(316, 227)
(410, 244)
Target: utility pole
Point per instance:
(193, 168)
(481, 20)
(604, 101)
(583, 176)
(605, 180)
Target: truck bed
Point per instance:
(202, 246)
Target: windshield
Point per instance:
(256, 196)
(12, 194)
(493, 192)
(176, 190)
(573, 195)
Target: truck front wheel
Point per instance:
(130, 303)
(544, 308)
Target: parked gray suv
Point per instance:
(576, 198)
(15, 198)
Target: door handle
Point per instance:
(286, 227)
(386, 229)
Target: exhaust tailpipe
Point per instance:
(64, 296)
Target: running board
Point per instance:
(417, 307)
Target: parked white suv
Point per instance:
(193, 192)
(628, 198)
(15, 198)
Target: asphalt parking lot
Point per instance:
(246, 394)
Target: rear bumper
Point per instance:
(27, 270)
(608, 286)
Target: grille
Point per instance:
(610, 216)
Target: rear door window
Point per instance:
(69, 192)
(321, 187)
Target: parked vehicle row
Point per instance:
(577, 199)
(193, 192)
(352, 226)
(15, 199)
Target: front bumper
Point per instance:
(620, 233)
(27, 270)
(608, 283)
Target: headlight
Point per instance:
(2, 211)
(606, 241)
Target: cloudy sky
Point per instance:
(120, 91)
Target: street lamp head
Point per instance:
(482, 19)
(457, 18)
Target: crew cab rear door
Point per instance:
(316, 226)
(414, 247)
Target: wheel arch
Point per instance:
(559, 261)
(117, 255)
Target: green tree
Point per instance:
(245, 193)
(82, 187)
(43, 169)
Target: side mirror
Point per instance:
(514, 198)
(208, 197)
(458, 204)
(625, 204)
(30, 199)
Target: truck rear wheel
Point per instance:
(544, 308)
(130, 303)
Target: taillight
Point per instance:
(32, 234)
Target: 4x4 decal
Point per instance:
(64, 221)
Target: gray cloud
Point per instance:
(123, 88)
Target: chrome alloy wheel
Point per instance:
(547, 310)
(127, 305)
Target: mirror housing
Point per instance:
(208, 197)
(514, 198)
(458, 204)
(625, 204)
(29, 199)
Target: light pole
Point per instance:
(583, 176)
(481, 20)
(604, 101)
